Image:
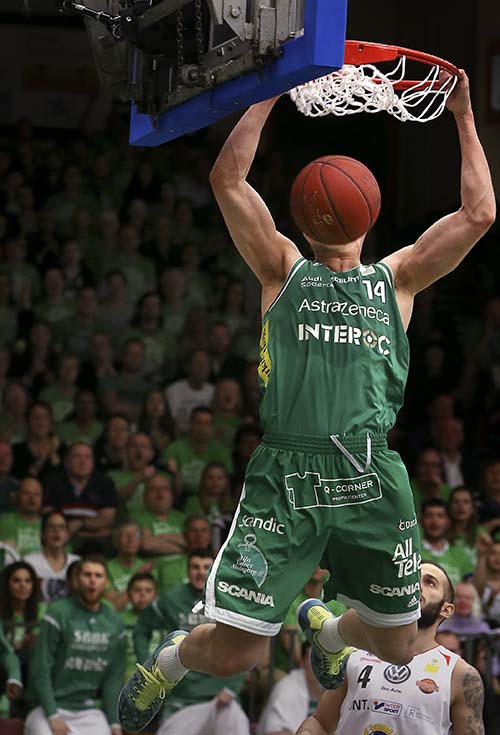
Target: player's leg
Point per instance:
(374, 556)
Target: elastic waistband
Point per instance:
(354, 443)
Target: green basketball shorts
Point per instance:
(310, 500)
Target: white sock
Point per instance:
(170, 663)
(329, 637)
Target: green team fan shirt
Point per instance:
(79, 659)
(322, 487)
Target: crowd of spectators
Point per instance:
(129, 347)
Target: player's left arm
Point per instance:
(327, 716)
(444, 245)
(467, 699)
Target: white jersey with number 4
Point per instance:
(385, 699)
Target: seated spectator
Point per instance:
(232, 308)
(60, 396)
(54, 307)
(8, 483)
(141, 591)
(464, 529)
(289, 650)
(20, 529)
(52, 562)
(20, 611)
(138, 270)
(73, 196)
(99, 364)
(489, 508)
(38, 454)
(24, 276)
(228, 404)
(201, 703)
(11, 670)
(116, 309)
(171, 570)
(468, 618)
(33, 359)
(177, 301)
(75, 334)
(136, 469)
(110, 447)
(428, 481)
(125, 392)
(82, 425)
(192, 392)
(459, 465)
(434, 523)
(15, 402)
(223, 363)
(487, 580)
(156, 421)
(187, 456)
(8, 312)
(214, 501)
(291, 700)
(147, 325)
(126, 563)
(67, 674)
(161, 525)
(86, 496)
(246, 441)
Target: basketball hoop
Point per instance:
(360, 86)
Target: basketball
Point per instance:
(335, 200)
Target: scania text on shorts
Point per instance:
(232, 589)
(407, 589)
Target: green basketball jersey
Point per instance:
(333, 352)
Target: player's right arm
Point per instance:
(327, 716)
(268, 253)
(467, 692)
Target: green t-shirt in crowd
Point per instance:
(120, 575)
(418, 497)
(171, 571)
(145, 519)
(455, 560)
(69, 432)
(61, 403)
(191, 464)
(25, 535)
(123, 477)
(78, 653)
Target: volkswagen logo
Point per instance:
(397, 674)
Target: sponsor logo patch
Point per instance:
(251, 595)
(251, 560)
(378, 729)
(427, 686)
(397, 674)
(310, 490)
(405, 589)
(387, 708)
(405, 559)
(266, 524)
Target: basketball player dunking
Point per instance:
(322, 484)
(437, 691)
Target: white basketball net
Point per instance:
(365, 88)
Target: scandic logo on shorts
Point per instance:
(407, 589)
(269, 524)
(232, 589)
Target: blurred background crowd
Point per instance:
(129, 346)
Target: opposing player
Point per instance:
(437, 691)
(322, 484)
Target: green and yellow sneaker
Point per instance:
(143, 694)
(328, 668)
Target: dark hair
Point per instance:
(165, 422)
(136, 318)
(205, 553)
(449, 594)
(48, 515)
(38, 404)
(433, 503)
(195, 517)
(30, 612)
(201, 409)
(471, 527)
(94, 559)
(141, 577)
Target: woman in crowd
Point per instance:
(464, 528)
(468, 618)
(156, 421)
(487, 580)
(38, 455)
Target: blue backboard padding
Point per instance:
(319, 51)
